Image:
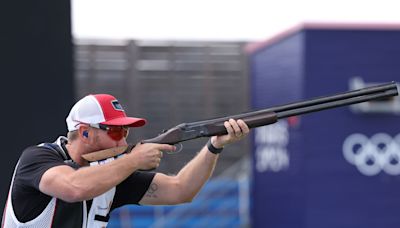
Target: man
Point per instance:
(53, 186)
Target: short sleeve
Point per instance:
(34, 162)
(132, 189)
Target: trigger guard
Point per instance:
(177, 151)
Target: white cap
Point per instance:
(100, 108)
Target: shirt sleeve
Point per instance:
(132, 189)
(34, 162)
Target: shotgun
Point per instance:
(211, 127)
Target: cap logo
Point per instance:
(116, 105)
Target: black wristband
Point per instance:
(212, 148)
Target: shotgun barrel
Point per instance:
(188, 131)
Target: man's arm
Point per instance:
(71, 185)
(182, 188)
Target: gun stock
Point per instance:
(207, 128)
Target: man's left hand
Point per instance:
(237, 130)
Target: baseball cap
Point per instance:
(100, 109)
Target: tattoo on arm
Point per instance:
(151, 192)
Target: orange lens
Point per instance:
(117, 132)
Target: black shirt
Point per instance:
(29, 202)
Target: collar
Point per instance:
(61, 142)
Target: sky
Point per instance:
(243, 20)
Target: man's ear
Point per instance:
(83, 132)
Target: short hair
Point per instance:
(72, 135)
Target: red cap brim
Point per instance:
(126, 121)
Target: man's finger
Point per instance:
(229, 128)
(165, 147)
(235, 127)
(243, 126)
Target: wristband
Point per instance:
(212, 148)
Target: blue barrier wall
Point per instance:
(338, 167)
(217, 205)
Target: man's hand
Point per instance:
(148, 155)
(237, 130)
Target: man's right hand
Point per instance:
(148, 155)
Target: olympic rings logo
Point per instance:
(372, 155)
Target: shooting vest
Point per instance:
(54, 213)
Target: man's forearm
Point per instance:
(196, 173)
(85, 183)
(96, 180)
